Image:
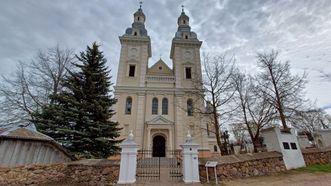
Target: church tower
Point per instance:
(185, 53)
(132, 69)
(135, 52)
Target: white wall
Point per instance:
(304, 142)
(323, 138)
(274, 139)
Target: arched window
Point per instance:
(154, 106)
(135, 33)
(215, 148)
(128, 105)
(164, 106)
(138, 18)
(189, 107)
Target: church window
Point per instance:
(138, 18)
(189, 107)
(154, 106)
(188, 72)
(164, 106)
(184, 22)
(135, 33)
(128, 105)
(160, 68)
(132, 69)
(186, 37)
(215, 148)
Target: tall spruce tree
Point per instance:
(79, 116)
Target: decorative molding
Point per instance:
(159, 120)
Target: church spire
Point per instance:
(183, 19)
(139, 15)
(138, 25)
(184, 29)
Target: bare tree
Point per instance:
(30, 86)
(255, 112)
(282, 89)
(310, 120)
(217, 91)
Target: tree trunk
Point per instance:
(279, 103)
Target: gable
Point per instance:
(160, 68)
(159, 120)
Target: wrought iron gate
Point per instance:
(175, 165)
(151, 168)
(148, 167)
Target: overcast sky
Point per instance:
(300, 30)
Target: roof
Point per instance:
(25, 134)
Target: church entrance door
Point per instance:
(159, 146)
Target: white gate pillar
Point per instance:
(128, 166)
(190, 161)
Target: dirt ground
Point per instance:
(285, 179)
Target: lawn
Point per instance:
(316, 168)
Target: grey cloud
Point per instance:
(236, 27)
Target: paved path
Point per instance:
(285, 179)
(165, 180)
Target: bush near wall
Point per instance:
(83, 172)
(244, 165)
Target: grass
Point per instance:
(316, 168)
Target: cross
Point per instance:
(140, 3)
(182, 8)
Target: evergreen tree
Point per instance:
(79, 116)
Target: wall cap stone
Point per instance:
(229, 159)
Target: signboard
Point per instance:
(211, 164)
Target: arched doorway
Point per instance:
(159, 146)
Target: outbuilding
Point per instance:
(23, 146)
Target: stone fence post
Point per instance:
(128, 166)
(190, 161)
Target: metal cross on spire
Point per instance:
(182, 8)
(140, 4)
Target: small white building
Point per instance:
(285, 142)
(323, 138)
(304, 141)
(22, 146)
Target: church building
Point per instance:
(158, 103)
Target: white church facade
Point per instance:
(157, 103)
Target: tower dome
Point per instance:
(139, 16)
(138, 25)
(184, 29)
(183, 19)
